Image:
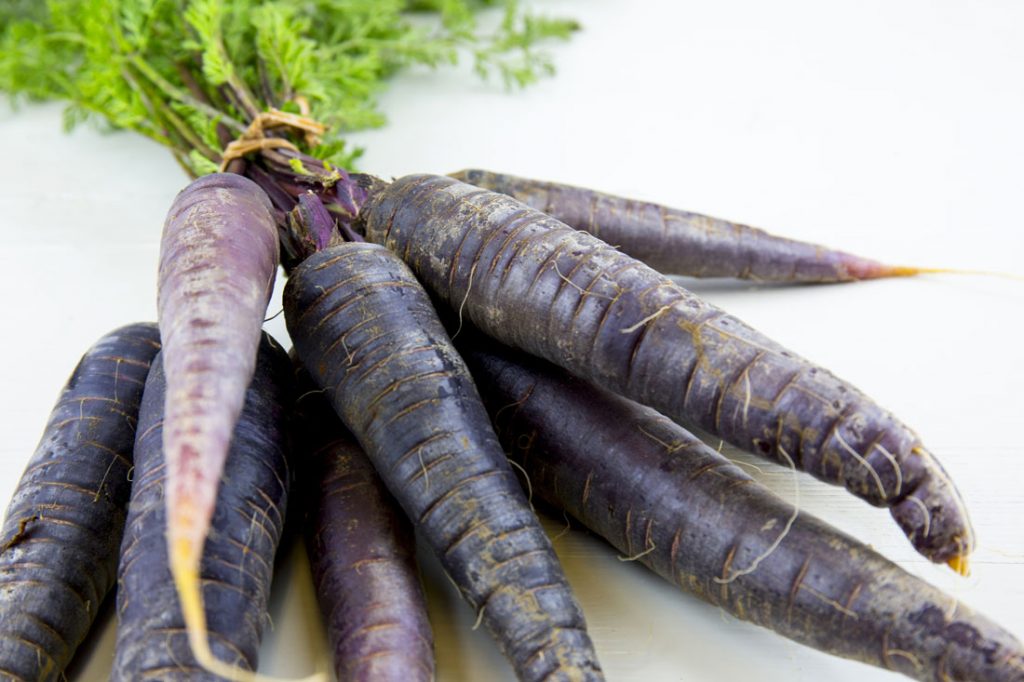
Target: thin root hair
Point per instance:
(670, 448)
(479, 618)
(529, 486)
(568, 527)
(312, 392)
(924, 510)
(469, 287)
(733, 574)
(577, 287)
(753, 466)
(897, 469)
(650, 318)
(863, 462)
(638, 556)
(526, 396)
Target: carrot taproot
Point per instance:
(218, 259)
(679, 242)
(59, 540)
(369, 335)
(362, 554)
(661, 496)
(537, 284)
(235, 573)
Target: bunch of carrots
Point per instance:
(439, 325)
(454, 336)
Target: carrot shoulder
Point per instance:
(218, 259)
(535, 283)
(58, 544)
(152, 641)
(679, 242)
(657, 493)
(369, 335)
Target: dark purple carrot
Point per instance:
(534, 283)
(235, 572)
(218, 259)
(362, 553)
(683, 243)
(661, 496)
(369, 335)
(59, 541)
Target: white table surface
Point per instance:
(890, 129)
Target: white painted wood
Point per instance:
(891, 129)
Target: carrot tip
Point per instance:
(901, 271)
(184, 568)
(906, 271)
(960, 564)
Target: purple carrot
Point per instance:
(659, 494)
(684, 243)
(537, 284)
(218, 259)
(362, 553)
(153, 642)
(369, 335)
(59, 540)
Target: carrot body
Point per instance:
(152, 642)
(362, 554)
(659, 494)
(684, 243)
(536, 284)
(218, 259)
(58, 544)
(368, 334)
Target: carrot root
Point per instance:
(59, 541)
(662, 497)
(368, 333)
(537, 284)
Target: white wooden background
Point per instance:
(891, 129)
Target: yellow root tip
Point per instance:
(185, 570)
(909, 272)
(960, 564)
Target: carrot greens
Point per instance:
(192, 75)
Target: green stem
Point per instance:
(208, 95)
(176, 93)
(167, 135)
(264, 77)
(164, 112)
(245, 98)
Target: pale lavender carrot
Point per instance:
(218, 259)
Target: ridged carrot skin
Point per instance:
(236, 570)
(59, 541)
(537, 284)
(657, 493)
(362, 553)
(369, 335)
(218, 260)
(679, 242)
